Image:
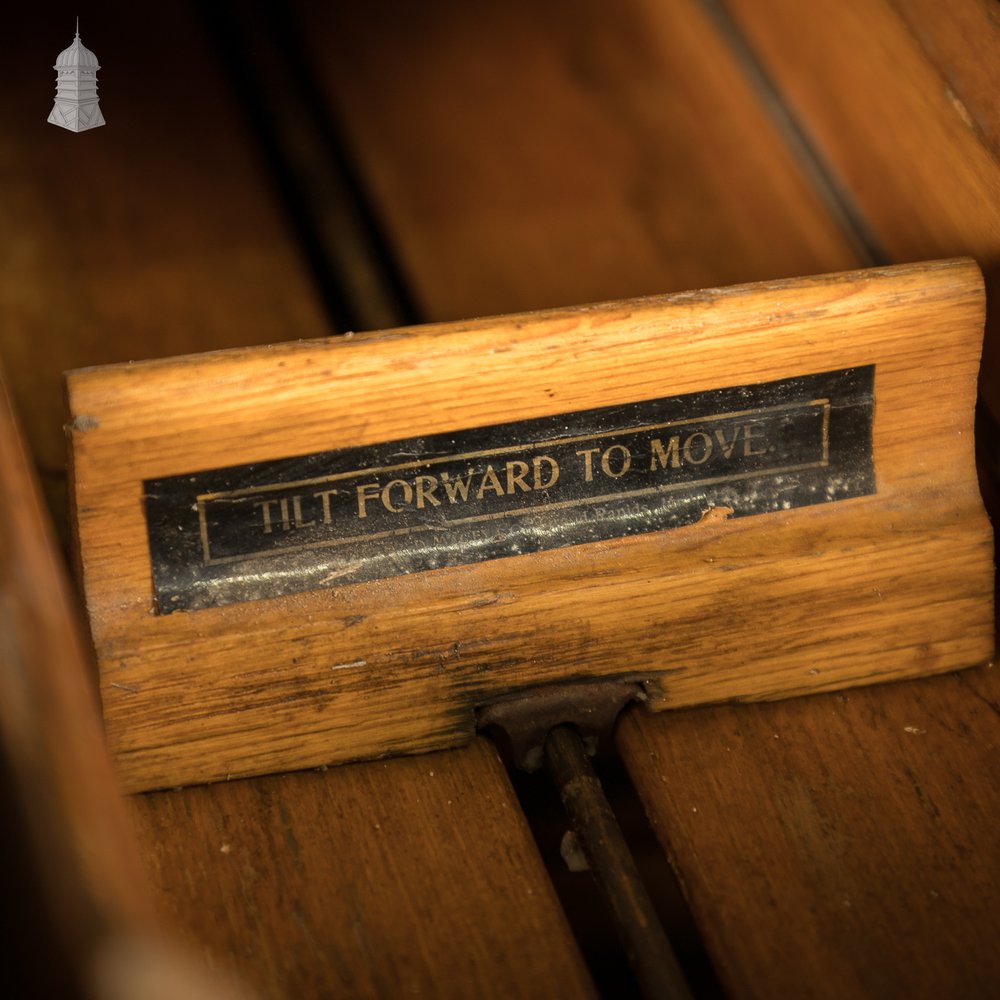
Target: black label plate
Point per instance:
(340, 517)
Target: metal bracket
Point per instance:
(520, 723)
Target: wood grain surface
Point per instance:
(855, 55)
(889, 871)
(886, 122)
(524, 155)
(963, 41)
(842, 586)
(413, 877)
(67, 842)
(157, 235)
(663, 192)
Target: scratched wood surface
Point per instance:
(849, 754)
(400, 664)
(159, 235)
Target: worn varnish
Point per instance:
(162, 237)
(400, 663)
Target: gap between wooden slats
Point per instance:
(622, 152)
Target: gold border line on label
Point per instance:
(517, 512)
(208, 560)
(549, 442)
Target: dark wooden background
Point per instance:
(271, 172)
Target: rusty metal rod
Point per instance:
(643, 938)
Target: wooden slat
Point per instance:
(143, 238)
(156, 235)
(527, 154)
(962, 39)
(489, 212)
(77, 863)
(406, 877)
(837, 846)
(886, 122)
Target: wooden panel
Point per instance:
(78, 866)
(414, 876)
(962, 39)
(156, 235)
(529, 154)
(887, 124)
(836, 846)
(400, 664)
